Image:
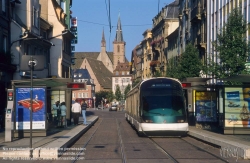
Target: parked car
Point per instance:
(113, 108)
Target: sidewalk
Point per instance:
(231, 145)
(45, 147)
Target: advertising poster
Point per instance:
(38, 107)
(206, 106)
(237, 107)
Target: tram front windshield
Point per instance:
(165, 99)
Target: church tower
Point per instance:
(118, 45)
(103, 43)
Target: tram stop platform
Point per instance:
(48, 147)
(61, 138)
(229, 144)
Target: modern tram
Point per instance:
(155, 107)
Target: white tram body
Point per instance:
(155, 107)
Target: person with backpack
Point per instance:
(84, 108)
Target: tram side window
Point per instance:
(178, 105)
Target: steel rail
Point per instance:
(124, 160)
(83, 147)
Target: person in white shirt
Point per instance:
(76, 111)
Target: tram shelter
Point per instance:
(46, 92)
(222, 107)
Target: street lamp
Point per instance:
(94, 101)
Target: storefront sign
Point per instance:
(23, 104)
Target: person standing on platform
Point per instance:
(84, 108)
(76, 111)
(63, 114)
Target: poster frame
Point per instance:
(44, 107)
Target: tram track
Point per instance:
(124, 160)
(163, 150)
(166, 150)
(84, 146)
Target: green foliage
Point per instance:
(231, 47)
(110, 96)
(118, 93)
(135, 82)
(189, 65)
(127, 89)
(157, 74)
(172, 68)
(104, 94)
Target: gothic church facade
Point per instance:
(102, 65)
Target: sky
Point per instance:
(92, 18)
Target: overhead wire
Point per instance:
(90, 22)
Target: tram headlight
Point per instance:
(180, 121)
(148, 121)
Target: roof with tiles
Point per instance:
(103, 75)
(172, 10)
(122, 67)
(81, 55)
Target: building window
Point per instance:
(3, 5)
(127, 72)
(123, 73)
(127, 80)
(93, 88)
(116, 80)
(35, 17)
(74, 95)
(4, 44)
(79, 95)
(117, 73)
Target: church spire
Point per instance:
(119, 37)
(103, 42)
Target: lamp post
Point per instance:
(94, 101)
(31, 64)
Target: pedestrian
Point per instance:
(63, 114)
(55, 112)
(84, 108)
(76, 111)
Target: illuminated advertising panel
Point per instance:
(237, 107)
(23, 104)
(206, 106)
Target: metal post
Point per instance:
(31, 102)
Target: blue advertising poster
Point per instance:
(206, 106)
(38, 107)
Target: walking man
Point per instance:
(84, 108)
(76, 111)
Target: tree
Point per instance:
(231, 47)
(101, 94)
(190, 65)
(110, 96)
(118, 93)
(172, 68)
(135, 82)
(157, 74)
(127, 89)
